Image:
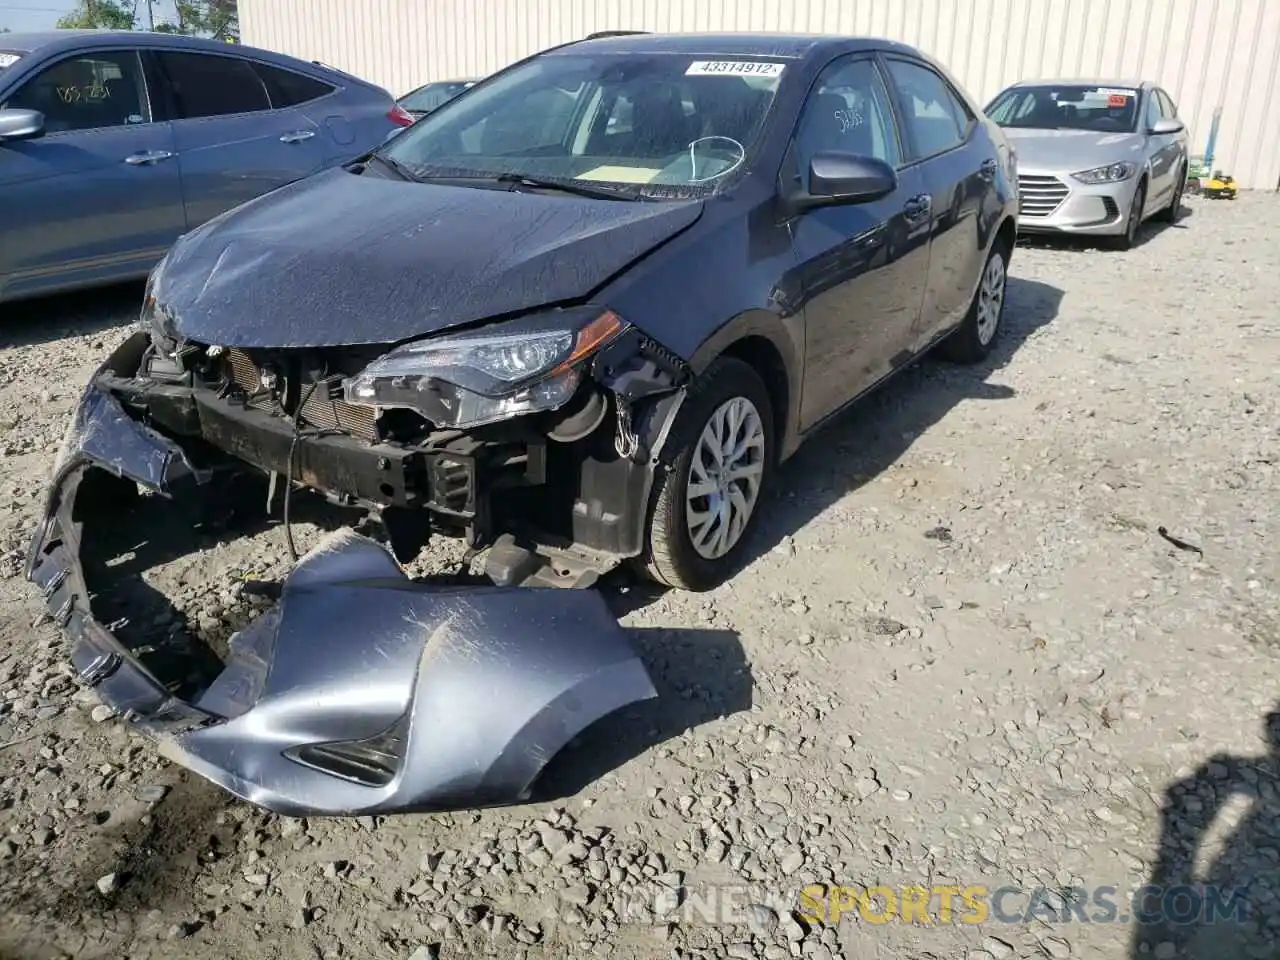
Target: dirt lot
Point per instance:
(964, 654)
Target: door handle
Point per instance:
(297, 136)
(918, 208)
(151, 156)
(988, 169)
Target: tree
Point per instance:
(94, 14)
(210, 18)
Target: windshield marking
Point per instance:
(739, 68)
(9, 59)
(621, 174)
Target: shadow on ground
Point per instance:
(700, 675)
(46, 319)
(1150, 232)
(1208, 900)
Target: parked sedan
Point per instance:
(1095, 157)
(114, 144)
(578, 317)
(432, 96)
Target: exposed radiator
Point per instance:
(324, 407)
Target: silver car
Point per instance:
(112, 145)
(1095, 157)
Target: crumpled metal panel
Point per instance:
(485, 684)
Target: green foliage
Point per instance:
(94, 14)
(207, 18)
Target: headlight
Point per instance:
(483, 376)
(1112, 173)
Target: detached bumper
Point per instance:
(360, 691)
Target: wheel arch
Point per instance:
(774, 349)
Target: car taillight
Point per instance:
(400, 116)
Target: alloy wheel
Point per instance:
(991, 298)
(724, 477)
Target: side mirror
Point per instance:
(21, 124)
(1165, 127)
(837, 179)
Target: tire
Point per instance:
(1133, 225)
(1170, 213)
(977, 334)
(728, 388)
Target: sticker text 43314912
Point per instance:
(734, 68)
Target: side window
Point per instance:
(209, 85)
(289, 89)
(930, 107)
(86, 93)
(1167, 105)
(848, 112)
(964, 116)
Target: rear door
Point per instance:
(97, 197)
(862, 266)
(233, 143)
(337, 114)
(958, 168)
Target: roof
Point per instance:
(1131, 83)
(71, 39)
(786, 46)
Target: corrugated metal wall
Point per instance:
(1205, 52)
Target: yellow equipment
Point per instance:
(1219, 186)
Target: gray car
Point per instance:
(112, 145)
(1095, 157)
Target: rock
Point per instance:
(101, 713)
(108, 884)
(1056, 947)
(578, 894)
(151, 793)
(426, 952)
(998, 948)
(761, 920)
(791, 861)
(715, 851)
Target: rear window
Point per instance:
(8, 58)
(289, 89)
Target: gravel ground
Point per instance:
(964, 655)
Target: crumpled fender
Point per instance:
(465, 693)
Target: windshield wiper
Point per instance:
(397, 167)
(577, 189)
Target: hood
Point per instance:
(1070, 151)
(340, 259)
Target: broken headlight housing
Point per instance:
(1111, 173)
(494, 373)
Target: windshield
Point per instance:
(8, 58)
(630, 122)
(1067, 107)
(426, 99)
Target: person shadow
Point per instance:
(1230, 909)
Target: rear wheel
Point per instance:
(977, 334)
(716, 466)
(1133, 225)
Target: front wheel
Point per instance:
(714, 470)
(976, 336)
(1133, 224)
(1170, 213)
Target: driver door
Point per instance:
(863, 267)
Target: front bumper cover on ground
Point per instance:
(360, 691)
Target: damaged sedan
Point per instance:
(576, 317)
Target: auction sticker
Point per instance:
(1117, 99)
(8, 59)
(734, 68)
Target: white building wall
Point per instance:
(1206, 53)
